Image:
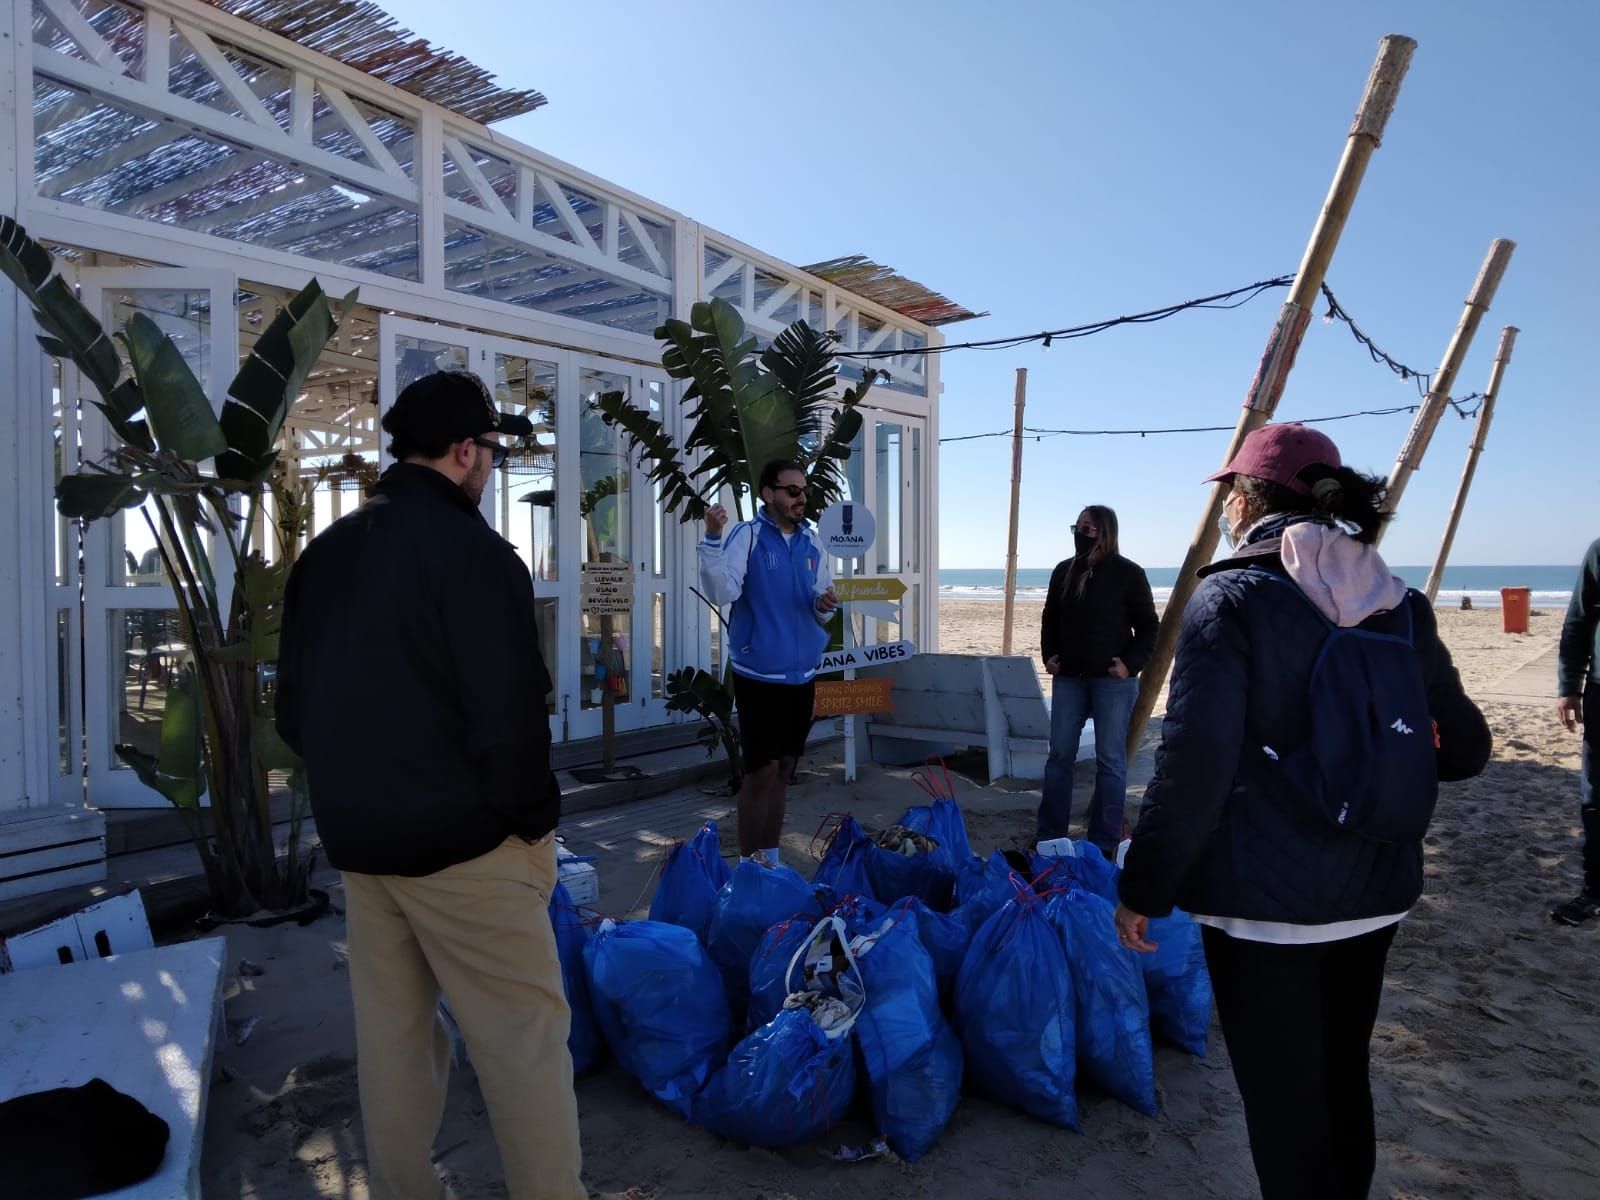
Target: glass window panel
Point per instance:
(148, 652)
(655, 391)
(65, 455)
(120, 26)
(547, 612)
(604, 662)
(479, 263)
(890, 479)
(92, 152)
(64, 693)
(658, 644)
(501, 176)
(526, 495)
(915, 563)
(716, 647)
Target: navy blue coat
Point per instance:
(1214, 836)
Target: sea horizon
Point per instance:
(1550, 584)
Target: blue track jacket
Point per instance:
(775, 632)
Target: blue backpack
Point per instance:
(1369, 766)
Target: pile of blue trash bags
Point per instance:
(767, 1008)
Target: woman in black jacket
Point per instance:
(1298, 873)
(1098, 633)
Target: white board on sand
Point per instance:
(144, 1022)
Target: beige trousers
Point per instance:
(481, 931)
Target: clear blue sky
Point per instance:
(1056, 163)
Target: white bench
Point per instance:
(946, 702)
(145, 1022)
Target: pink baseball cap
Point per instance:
(1278, 454)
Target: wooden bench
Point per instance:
(145, 1022)
(948, 702)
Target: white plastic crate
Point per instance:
(579, 875)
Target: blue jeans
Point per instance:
(1072, 702)
(1590, 768)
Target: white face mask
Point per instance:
(1230, 533)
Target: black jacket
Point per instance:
(1114, 618)
(1215, 836)
(410, 680)
(1579, 658)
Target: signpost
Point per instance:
(847, 530)
(845, 697)
(852, 658)
(865, 587)
(607, 590)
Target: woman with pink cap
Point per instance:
(1312, 714)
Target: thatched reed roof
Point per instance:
(883, 285)
(361, 35)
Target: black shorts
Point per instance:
(774, 718)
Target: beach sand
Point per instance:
(1486, 1057)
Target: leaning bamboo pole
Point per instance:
(1016, 496)
(1438, 398)
(1480, 436)
(1366, 131)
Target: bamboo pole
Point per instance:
(1366, 131)
(1016, 497)
(1438, 398)
(1480, 436)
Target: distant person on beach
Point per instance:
(775, 576)
(410, 679)
(1299, 852)
(1578, 686)
(1098, 632)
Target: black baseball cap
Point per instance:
(450, 406)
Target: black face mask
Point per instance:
(1082, 543)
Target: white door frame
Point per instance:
(570, 720)
(110, 784)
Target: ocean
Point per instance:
(1551, 585)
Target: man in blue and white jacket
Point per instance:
(776, 577)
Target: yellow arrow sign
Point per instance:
(854, 590)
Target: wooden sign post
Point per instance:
(844, 697)
(607, 592)
(1427, 419)
(1383, 88)
(1480, 436)
(1016, 498)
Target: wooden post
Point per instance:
(1366, 131)
(1016, 497)
(1502, 356)
(1438, 398)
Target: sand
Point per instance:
(1486, 1058)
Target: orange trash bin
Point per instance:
(1514, 605)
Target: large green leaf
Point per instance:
(271, 752)
(827, 465)
(94, 495)
(265, 388)
(766, 428)
(800, 360)
(176, 772)
(263, 586)
(176, 405)
(652, 445)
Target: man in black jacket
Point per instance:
(1578, 686)
(411, 682)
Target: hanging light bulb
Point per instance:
(1046, 342)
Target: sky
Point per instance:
(1059, 163)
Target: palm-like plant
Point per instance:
(217, 733)
(746, 411)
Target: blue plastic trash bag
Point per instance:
(785, 1083)
(1177, 982)
(1114, 1048)
(912, 1057)
(693, 875)
(944, 936)
(659, 1000)
(1015, 1012)
(983, 894)
(769, 968)
(844, 866)
(859, 913)
(929, 876)
(755, 898)
(583, 1042)
(1087, 867)
(942, 821)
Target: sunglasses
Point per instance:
(497, 452)
(794, 492)
(1085, 530)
